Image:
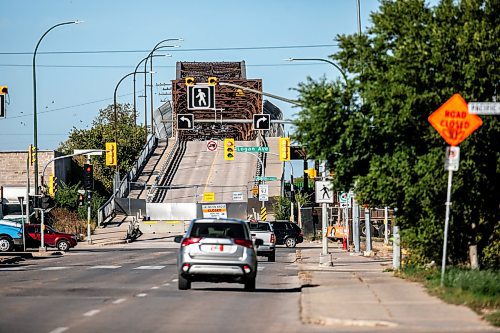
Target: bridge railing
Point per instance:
(121, 186)
(161, 174)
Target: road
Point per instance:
(133, 288)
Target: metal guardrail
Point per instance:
(108, 208)
(168, 160)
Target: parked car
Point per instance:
(263, 230)
(217, 250)
(287, 233)
(51, 237)
(11, 235)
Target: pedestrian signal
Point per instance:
(284, 149)
(111, 154)
(229, 149)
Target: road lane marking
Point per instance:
(155, 287)
(105, 267)
(141, 295)
(150, 267)
(260, 268)
(175, 280)
(91, 313)
(59, 330)
(210, 171)
(55, 268)
(119, 300)
(166, 284)
(13, 269)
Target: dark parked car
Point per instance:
(287, 233)
(51, 237)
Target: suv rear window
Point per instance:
(218, 230)
(260, 226)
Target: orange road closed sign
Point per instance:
(453, 121)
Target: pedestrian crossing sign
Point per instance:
(201, 97)
(324, 192)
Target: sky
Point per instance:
(78, 80)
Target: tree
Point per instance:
(131, 139)
(410, 61)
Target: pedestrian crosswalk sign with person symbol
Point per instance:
(324, 192)
(201, 97)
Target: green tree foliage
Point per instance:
(281, 208)
(410, 61)
(130, 141)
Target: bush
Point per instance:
(67, 221)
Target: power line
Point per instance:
(160, 66)
(179, 49)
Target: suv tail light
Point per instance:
(247, 269)
(273, 239)
(190, 240)
(244, 242)
(301, 234)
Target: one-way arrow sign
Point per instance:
(261, 122)
(185, 121)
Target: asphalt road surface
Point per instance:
(129, 289)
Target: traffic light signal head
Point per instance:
(284, 149)
(212, 81)
(52, 185)
(88, 176)
(111, 153)
(229, 149)
(189, 81)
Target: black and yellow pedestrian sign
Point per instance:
(263, 213)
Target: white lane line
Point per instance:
(91, 313)
(260, 268)
(119, 300)
(150, 267)
(13, 269)
(141, 295)
(59, 330)
(155, 287)
(175, 280)
(166, 284)
(105, 267)
(55, 268)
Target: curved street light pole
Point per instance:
(114, 107)
(150, 55)
(35, 125)
(323, 60)
(135, 72)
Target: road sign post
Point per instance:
(454, 122)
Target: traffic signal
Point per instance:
(31, 154)
(284, 149)
(189, 81)
(4, 90)
(81, 199)
(88, 176)
(311, 173)
(52, 185)
(229, 149)
(111, 153)
(212, 81)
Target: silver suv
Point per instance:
(217, 250)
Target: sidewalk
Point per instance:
(355, 294)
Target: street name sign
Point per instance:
(453, 121)
(267, 179)
(252, 149)
(485, 108)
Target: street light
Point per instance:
(114, 105)
(35, 126)
(323, 60)
(150, 55)
(135, 72)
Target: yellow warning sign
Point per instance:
(209, 196)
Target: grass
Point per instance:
(479, 290)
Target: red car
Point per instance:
(52, 238)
